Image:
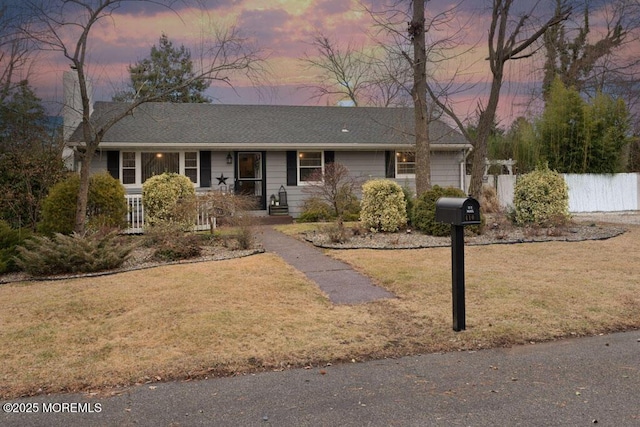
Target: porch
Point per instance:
(204, 220)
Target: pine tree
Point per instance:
(167, 67)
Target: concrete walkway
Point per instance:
(337, 279)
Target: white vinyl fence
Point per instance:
(135, 217)
(587, 192)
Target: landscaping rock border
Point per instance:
(495, 233)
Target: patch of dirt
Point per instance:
(496, 231)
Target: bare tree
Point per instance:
(507, 40)
(334, 186)
(593, 54)
(342, 71)
(574, 61)
(424, 40)
(357, 74)
(52, 23)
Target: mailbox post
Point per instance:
(458, 211)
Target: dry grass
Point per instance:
(217, 318)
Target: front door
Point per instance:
(250, 175)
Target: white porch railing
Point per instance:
(135, 216)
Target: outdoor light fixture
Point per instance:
(229, 159)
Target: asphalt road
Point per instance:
(574, 382)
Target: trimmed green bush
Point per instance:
(75, 253)
(424, 211)
(541, 198)
(10, 239)
(314, 209)
(169, 198)
(106, 204)
(383, 206)
(59, 207)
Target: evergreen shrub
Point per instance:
(75, 253)
(106, 204)
(314, 209)
(383, 207)
(169, 198)
(424, 210)
(10, 239)
(541, 198)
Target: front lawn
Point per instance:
(258, 313)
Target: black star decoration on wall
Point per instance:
(222, 180)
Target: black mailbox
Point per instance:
(458, 210)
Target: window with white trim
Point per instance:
(191, 166)
(405, 163)
(159, 163)
(137, 167)
(310, 165)
(128, 167)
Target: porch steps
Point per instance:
(275, 219)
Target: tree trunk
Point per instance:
(485, 125)
(83, 193)
(419, 93)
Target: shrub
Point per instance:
(106, 204)
(383, 206)
(169, 198)
(410, 200)
(336, 232)
(59, 207)
(235, 209)
(336, 188)
(75, 253)
(10, 239)
(489, 200)
(424, 211)
(314, 209)
(541, 198)
(171, 243)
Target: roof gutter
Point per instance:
(273, 146)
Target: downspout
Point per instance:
(463, 169)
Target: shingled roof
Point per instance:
(267, 126)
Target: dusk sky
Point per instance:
(283, 29)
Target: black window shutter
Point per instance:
(113, 163)
(390, 164)
(292, 168)
(329, 157)
(205, 169)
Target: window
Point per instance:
(137, 167)
(191, 166)
(128, 168)
(310, 165)
(159, 163)
(405, 163)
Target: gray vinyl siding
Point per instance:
(220, 168)
(99, 163)
(363, 164)
(445, 168)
